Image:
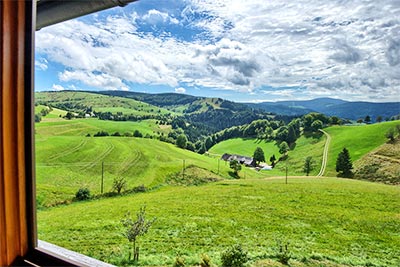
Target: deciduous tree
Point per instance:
(135, 228)
(309, 165)
(259, 155)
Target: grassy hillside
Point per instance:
(98, 102)
(67, 160)
(245, 147)
(82, 127)
(305, 146)
(359, 140)
(381, 164)
(341, 221)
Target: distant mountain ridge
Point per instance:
(331, 107)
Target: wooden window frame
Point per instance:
(18, 229)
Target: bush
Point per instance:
(284, 254)
(205, 261)
(234, 257)
(83, 194)
(179, 262)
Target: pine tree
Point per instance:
(343, 164)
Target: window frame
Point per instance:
(18, 229)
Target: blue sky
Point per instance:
(251, 51)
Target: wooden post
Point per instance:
(102, 176)
(286, 173)
(183, 170)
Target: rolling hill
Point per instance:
(323, 219)
(332, 107)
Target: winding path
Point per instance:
(325, 155)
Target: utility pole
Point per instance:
(218, 166)
(102, 176)
(183, 170)
(286, 173)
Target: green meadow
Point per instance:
(326, 221)
(305, 146)
(359, 140)
(100, 103)
(337, 222)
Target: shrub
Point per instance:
(205, 261)
(284, 255)
(179, 262)
(83, 194)
(234, 257)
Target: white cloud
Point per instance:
(41, 64)
(331, 48)
(180, 90)
(57, 87)
(154, 17)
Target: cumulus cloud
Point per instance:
(393, 51)
(154, 17)
(328, 48)
(57, 87)
(180, 90)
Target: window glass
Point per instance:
(211, 132)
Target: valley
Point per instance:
(200, 206)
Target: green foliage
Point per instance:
(119, 184)
(344, 164)
(38, 117)
(284, 254)
(283, 148)
(316, 125)
(181, 141)
(82, 194)
(101, 133)
(258, 155)
(235, 166)
(135, 228)
(137, 133)
(205, 261)
(235, 256)
(391, 134)
(179, 262)
(309, 165)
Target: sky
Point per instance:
(244, 51)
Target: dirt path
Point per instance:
(325, 155)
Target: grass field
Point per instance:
(344, 222)
(305, 146)
(100, 102)
(359, 140)
(82, 127)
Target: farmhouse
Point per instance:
(248, 161)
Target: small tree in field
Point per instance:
(235, 166)
(283, 148)
(119, 184)
(309, 165)
(343, 164)
(272, 159)
(134, 229)
(259, 155)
